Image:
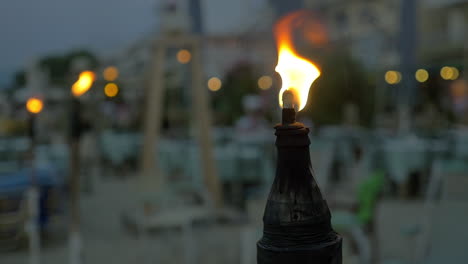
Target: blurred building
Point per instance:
(237, 31)
(133, 64)
(231, 32)
(443, 28)
(372, 29)
(369, 28)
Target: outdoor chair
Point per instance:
(12, 222)
(354, 223)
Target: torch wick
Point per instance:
(289, 113)
(288, 99)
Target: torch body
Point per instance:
(297, 226)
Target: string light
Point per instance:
(184, 56)
(393, 77)
(110, 74)
(265, 82)
(421, 75)
(111, 90)
(214, 84)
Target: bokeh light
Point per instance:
(449, 73)
(110, 74)
(456, 73)
(421, 75)
(84, 83)
(214, 84)
(446, 73)
(184, 56)
(111, 90)
(34, 105)
(265, 82)
(393, 77)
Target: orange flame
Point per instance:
(297, 73)
(84, 83)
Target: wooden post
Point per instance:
(203, 122)
(201, 110)
(150, 173)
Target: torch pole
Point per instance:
(75, 236)
(33, 201)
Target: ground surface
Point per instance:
(106, 241)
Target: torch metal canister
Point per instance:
(297, 226)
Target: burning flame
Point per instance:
(84, 83)
(297, 73)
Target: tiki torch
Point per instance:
(80, 87)
(297, 220)
(34, 106)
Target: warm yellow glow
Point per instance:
(421, 75)
(446, 73)
(297, 73)
(110, 74)
(184, 56)
(214, 84)
(449, 73)
(393, 77)
(34, 105)
(456, 73)
(83, 84)
(111, 90)
(265, 82)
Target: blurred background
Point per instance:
(165, 153)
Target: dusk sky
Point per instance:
(31, 28)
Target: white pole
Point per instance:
(75, 246)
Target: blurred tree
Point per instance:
(238, 82)
(19, 79)
(343, 81)
(59, 66)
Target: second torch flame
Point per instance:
(83, 84)
(297, 73)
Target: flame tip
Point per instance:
(297, 73)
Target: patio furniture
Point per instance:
(353, 223)
(12, 221)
